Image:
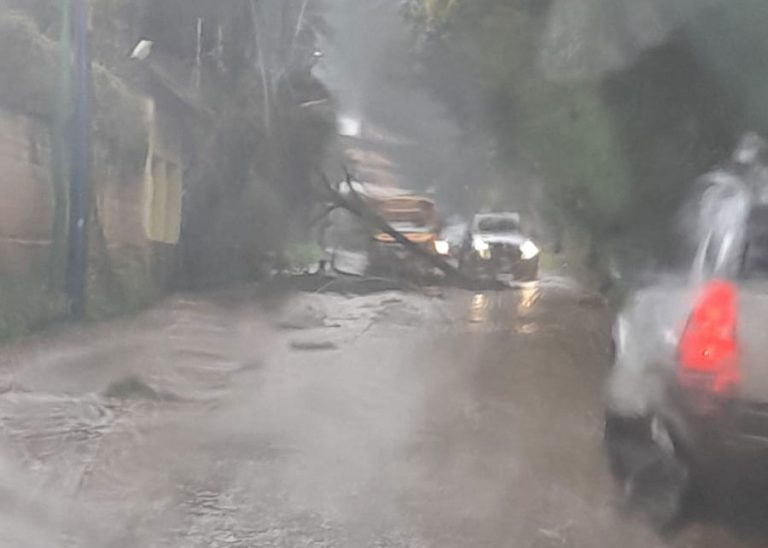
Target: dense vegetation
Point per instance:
(252, 121)
(265, 147)
(264, 119)
(616, 105)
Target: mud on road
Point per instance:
(387, 420)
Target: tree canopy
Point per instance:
(617, 104)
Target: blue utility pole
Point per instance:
(80, 183)
(61, 151)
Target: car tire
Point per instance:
(529, 272)
(652, 478)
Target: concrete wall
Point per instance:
(127, 269)
(26, 194)
(136, 220)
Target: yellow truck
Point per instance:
(416, 218)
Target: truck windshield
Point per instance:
(409, 226)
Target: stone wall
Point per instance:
(127, 269)
(26, 194)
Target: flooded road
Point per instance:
(387, 420)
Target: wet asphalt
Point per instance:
(386, 420)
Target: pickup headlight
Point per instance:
(482, 248)
(442, 247)
(528, 250)
(480, 245)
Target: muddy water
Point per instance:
(389, 420)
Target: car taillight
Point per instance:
(708, 353)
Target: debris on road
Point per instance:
(135, 388)
(313, 345)
(301, 315)
(400, 314)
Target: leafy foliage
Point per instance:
(251, 183)
(617, 117)
(249, 146)
(562, 131)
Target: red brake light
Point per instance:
(708, 352)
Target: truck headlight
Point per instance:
(442, 247)
(528, 250)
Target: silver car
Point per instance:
(495, 244)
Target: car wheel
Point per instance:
(529, 272)
(652, 477)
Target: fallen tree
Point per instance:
(350, 200)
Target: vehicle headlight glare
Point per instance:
(528, 250)
(442, 247)
(480, 245)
